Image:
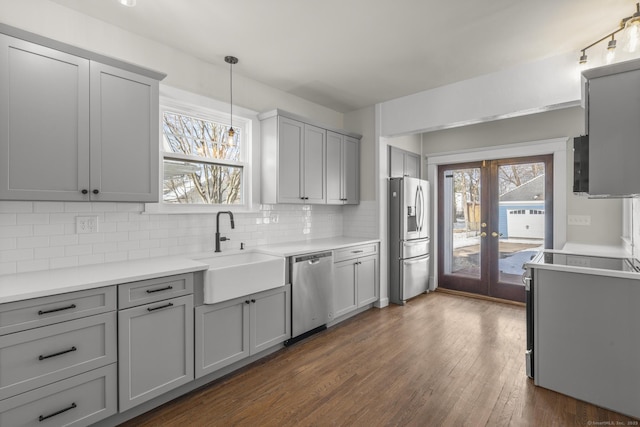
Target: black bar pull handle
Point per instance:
(44, 417)
(60, 353)
(150, 291)
(161, 307)
(69, 307)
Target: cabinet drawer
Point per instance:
(41, 356)
(152, 290)
(77, 401)
(22, 315)
(355, 252)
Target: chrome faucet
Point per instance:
(218, 238)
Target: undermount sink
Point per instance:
(236, 275)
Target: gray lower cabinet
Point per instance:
(57, 359)
(76, 401)
(233, 330)
(155, 350)
(356, 275)
(73, 129)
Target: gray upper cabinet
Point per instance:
(44, 122)
(73, 128)
(403, 163)
(124, 135)
(307, 163)
(343, 173)
(613, 107)
(299, 170)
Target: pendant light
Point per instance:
(231, 60)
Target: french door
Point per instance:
(494, 215)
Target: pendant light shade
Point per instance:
(231, 60)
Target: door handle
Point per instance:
(494, 234)
(483, 234)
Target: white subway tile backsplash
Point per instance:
(14, 255)
(47, 229)
(8, 219)
(32, 242)
(35, 265)
(16, 230)
(8, 268)
(77, 207)
(48, 207)
(63, 262)
(16, 207)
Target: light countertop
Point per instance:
(538, 263)
(22, 286)
(313, 245)
(35, 284)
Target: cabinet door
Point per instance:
(412, 165)
(44, 126)
(222, 335)
(612, 116)
(124, 136)
(396, 162)
(290, 160)
(344, 293)
(335, 168)
(367, 280)
(315, 142)
(155, 351)
(351, 171)
(270, 319)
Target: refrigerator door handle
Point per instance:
(421, 208)
(415, 260)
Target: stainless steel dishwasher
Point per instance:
(311, 294)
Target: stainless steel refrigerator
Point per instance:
(408, 238)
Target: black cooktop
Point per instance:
(605, 263)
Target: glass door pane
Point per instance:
(462, 222)
(521, 217)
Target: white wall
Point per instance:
(527, 88)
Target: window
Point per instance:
(200, 167)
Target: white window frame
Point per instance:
(182, 102)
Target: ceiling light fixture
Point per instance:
(231, 60)
(128, 3)
(631, 38)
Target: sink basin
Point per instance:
(236, 275)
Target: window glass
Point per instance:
(200, 165)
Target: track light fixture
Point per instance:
(631, 38)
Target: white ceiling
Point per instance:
(349, 54)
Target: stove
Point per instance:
(603, 263)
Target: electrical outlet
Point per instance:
(86, 224)
(579, 220)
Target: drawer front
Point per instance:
(41, 356)
(355, 252)
(78, 401)
(152, 290)
(33, 313)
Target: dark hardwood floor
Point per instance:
(439, 360)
